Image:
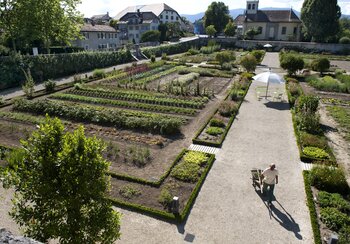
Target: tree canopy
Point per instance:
(217, 14)
(30, 23)
(210, 30)
(60, 183)
(230, 29)
(320, 19)
(150, 36)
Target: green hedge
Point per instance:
(166, 215)
(312, 209)
(171, 48)
(195, 140)
(44, 67)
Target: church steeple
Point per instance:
(252, 6)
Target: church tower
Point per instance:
(252, 6)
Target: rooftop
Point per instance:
(269, 16)
(157, 9)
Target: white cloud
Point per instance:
(91, 7)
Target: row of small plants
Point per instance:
(136, 96)
(135, 120)
(312, 143)
(124, 104)
(328, 202)
(214, 131)
(339, 83)
(342, 117)
(206, 72)
(189, 166)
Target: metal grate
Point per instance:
(205, 149)
(305, 166)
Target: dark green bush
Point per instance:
(153, 58)
(308, 103)
(308, 140)
(49, 85)
(291, 63)
(150, 36)
(329, 179)
(344, 233)
(308, 122)
(334, 200)
(249, 62)
(258, 54)
(344, 40)
(333, 218)
(214, 131)
(99, 73)
(320, 65)
(217, 123)
(170, 49)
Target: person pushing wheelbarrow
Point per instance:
(269, 178)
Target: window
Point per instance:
(177, 18)
(115, 35)
(131, 27)
(137, 35)
(295, 30)
(161, 16)
(153, 28)
(172, 17)
(136, 28)
(98, 35)
(284, 30)
(253, 6)
(260, 29)
(167, 17)
(249, 6)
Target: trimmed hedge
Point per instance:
(171, 48)
(195, 140)
(44, 67)
(312, 209)
(178, 218)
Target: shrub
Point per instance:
(128, 191)
(327, 83)
(294, 89)
(99, 73)
(49, 85)
(333, 218)
(187, 172)
(164, 57)
(227, 108)
(329, 179)
(315, 152)
(334, 200)
(307, 139)
(153, 58)
(291, 63)
(258, 54)
(249, 62)
(308, 121)
(165, 198)
(344, 40)
(217, 123)
(193, 51)
(29, 85)
(2, 100)
(344, 233)
(210, 49)
(321, 65)
(214, 131)
(198, 158)
(307, 103)
(225, 57)
(226, 66)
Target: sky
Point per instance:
(92, 7)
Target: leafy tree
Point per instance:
(173, 30)
(249, 62)
(321, 65)
(150, 36)
(217, 14)
(113, 23)
(291, 63)
(60, 183)
(250, 33)
(230, 29)
(320, 19)
(199, 26)
(44, 21)
(210, 30)
(163, 28)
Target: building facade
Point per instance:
(279, 25)
(132, 25)
(97, 37)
